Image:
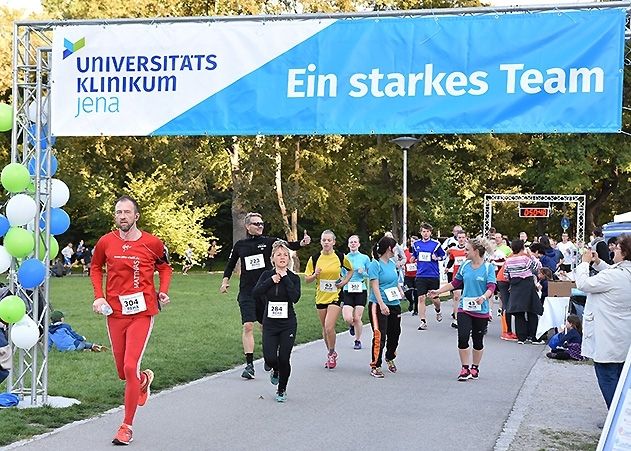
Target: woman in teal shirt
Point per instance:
(355, 293)
(385, 306)
(478, 278)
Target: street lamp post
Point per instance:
(405, 143)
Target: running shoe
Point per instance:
(538, 342)
(414, 313)
(331, 361)
(123, 436)
(351, 330)
(507, 337)
(454, 324)
(475, 372)
(465, 374)
(439, 316)
(391, 366)
(266, 367)
(145, 387)
(358, 345)
(520, 342)
(528, 341)
(248, 371)
(273, 377)
(376, 372)
(423, 325)
(281, 396)
(513, 335)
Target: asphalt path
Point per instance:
(421, 407)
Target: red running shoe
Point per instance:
(145, 387)
(123, 436)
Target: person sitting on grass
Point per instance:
(65, 338)
(566, 344)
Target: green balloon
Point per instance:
(31, 188)
(6, 117)
(54, 248)
(19, 242)
(12, 309)
(15, 178)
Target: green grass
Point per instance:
(199, 333)
(554, 440)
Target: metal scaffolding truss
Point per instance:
(578, 199)
(32, 41)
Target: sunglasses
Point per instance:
(257, 224)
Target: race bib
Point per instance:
(355, 287)
(470, 305)
(277, 310)
(328, 286)
(393, 294)
(424, 257)
(254, 262)
(133, 303)
(410, 267)
(459, 260)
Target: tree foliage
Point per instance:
(191, 188)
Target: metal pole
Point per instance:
(405, 197)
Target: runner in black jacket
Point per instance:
(278, 289)
(254, 252)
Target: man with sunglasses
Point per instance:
(254, 252)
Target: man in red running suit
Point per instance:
(130, 257)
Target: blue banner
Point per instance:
(557, 71)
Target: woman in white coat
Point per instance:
(607, 316)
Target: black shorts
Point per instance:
(251, 310)
(325, 306)
(424, 284)
(355, 299)
(566, 268)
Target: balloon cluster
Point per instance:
(19, 242)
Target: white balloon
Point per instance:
(21, 209)
(32, 111)
(5, 259)
(59, 193)
(25, 333)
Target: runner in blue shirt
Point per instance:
(355, 293)
(385, 306)
(477, 280)
(427, 253)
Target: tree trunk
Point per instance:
(278, 182)
(593, 208)
(238, 208)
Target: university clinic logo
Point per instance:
(71, 47)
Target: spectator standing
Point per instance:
(607, 316)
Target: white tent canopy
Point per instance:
(623, 217)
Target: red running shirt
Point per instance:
(130, 267)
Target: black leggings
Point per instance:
(526, 325)
(279, 336)
(386, 330)
(410, 294)
(471, 326)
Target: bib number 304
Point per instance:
(133, 303)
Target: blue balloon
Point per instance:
(4, 225)
(43, 141)
(42, 173)
(59, 221)
(31, 273)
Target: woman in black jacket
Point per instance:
(279, 290)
